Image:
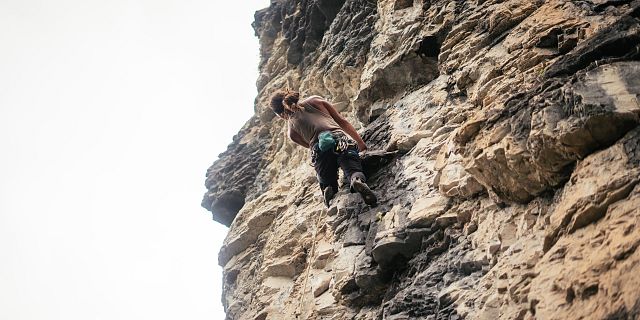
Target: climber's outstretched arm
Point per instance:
(344, 124)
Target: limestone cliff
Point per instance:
(510, 184)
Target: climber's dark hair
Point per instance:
(285, 100)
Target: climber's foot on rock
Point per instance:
(366, 193)
(328, 193)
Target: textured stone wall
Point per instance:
(508, 170)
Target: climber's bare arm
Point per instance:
(297, 138)
(342, 122)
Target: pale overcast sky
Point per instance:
(110, 114)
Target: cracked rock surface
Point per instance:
(506, 138)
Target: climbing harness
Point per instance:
(345, 143)
(337, 142)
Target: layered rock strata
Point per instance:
(507, 164)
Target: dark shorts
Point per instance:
(345, 156)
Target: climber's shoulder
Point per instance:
(318, 102)
(315, 99)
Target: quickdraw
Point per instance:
(343, 143)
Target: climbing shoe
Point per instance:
(328, 193)
(366, 193)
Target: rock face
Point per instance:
(508, 164)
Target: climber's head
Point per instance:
(285, 102)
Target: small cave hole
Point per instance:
(570, 295)
(590, 291)
(429, 47)
(402, 4)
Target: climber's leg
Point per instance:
(351, 165)
(350, 162)
(326, 165)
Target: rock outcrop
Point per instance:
(507, 170)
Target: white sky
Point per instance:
(110, 114)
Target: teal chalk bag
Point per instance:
(326, 141)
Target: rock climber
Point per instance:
(333, 142)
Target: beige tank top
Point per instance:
(310, 121)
